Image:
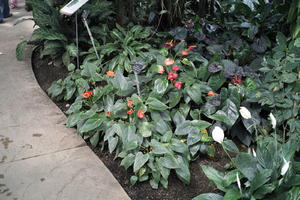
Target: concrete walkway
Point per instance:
(40, 159)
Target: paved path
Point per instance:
(40, 159)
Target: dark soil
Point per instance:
(46, 73)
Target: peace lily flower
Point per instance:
(273, 120)
(254, 153)
(238, 182)
(245, 113)
(218, 134)
(285, 167)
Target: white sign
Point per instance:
(72, 6)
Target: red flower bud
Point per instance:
(184, 52)
(130, 112)
(211, 93)
(175, 68)
(192, 47)
(178, 85)
(87, 94)
(108, 113)
(172, 76)
(141, 114)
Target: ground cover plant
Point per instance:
(161, 97)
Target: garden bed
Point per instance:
(45, 73)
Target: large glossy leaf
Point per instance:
(183, 172)
(140, 161)
(232, 194)
(169, 161)
(160, 85)
(230, 146)
(246, 164)
(128, 160)
(208, 196)
(145, 129)
(215, 176)
(195, 93)
(158, 148)
(91, 124)
(155, 104)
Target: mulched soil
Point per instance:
(46, 73)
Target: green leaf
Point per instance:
(158, 148)
(128, 160)
(91, 124)
(76, 106)
(133, 180)
(263, 190)
(155, 104)
(140, 161)
(184, 128)
(94, 140)
(73, 120)
(215, 176)
(160, 86)
(71, 67)
(112, 143)
(246, 164)
(229, 114)
(208, 196)
(89, 70)
(146, 129)
(55, 90)
(232, 194)
(72, 50)
(260, 179)
(230, 146)
(183, 172)
(20, 50)
(169, 161)
(178, 146)
(216, 81)
(174, 98)
(195, 93)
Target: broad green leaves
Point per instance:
(155, 104)
(140, 161)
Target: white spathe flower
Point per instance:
(273, 120)
(285, 167)
(254, 153)
(245, 113)
(238, 182)
(218, 134)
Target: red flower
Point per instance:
(192, 47)
(172, 76)
(236, 80)
(184, 52)
(129, 103)
(178, 84)
(211, 93)
(175, 68)
(169, 61)
(108, 113)
(110, 73)
(169, 44)
(87, 94)
(130, 112)
(141, 114)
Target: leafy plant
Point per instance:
(269, 173)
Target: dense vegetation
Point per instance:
(173, 77)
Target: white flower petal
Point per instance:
(254, 153)
(285, 167)
(238, 181)
(245, 113)
(218, 134)
(273, 120)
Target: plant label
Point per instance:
(72, 6)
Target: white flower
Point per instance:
(238, 182)
(254, 153)
(273, 120)
(218, 134)
(245, 113)
(285, 167)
